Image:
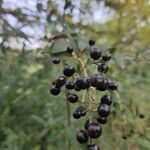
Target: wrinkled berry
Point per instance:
(102, 67)
(106, 57)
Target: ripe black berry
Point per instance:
(69, 70)
(124, 137)
(106, 57)
(82, 136)
(92, 147)
(83, 82)
(73, 98)
(106, 99)
(69, 85)
(102, 67)
(60, 81)
(102, 120)
(76, 114)
(76, 88)
(55, 90)
(104, 110)
(69, 49)
(86, 124)
(94, 130)
(94, 79)
(112, 86)
(56, 60)
(91, 42)
(95, 53)
(101, 84)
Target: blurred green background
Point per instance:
(31, 118)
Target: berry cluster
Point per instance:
(73, 81)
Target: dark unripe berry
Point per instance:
(56, 60)
(106, 57)
(82, 82)
(95, 53)
(69, 70)
(69, 85)
(73, 98)
(69, 49)
(86, 124)
(60, 81)
(91, 42)
(102, 120)
(94, 130)
(82, 136)
(102, 67)
(55, 90)
(92, 147)
(104, 110)
(106, 99)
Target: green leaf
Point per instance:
(78, 69)
(112, 50)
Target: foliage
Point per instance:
(31, 118)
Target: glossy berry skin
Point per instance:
(101, 84)
(82, 82)
(55, 90)
(86, 124)
(106, 99)
(68, 70)
(92, 147)
(95, 53)
(112, 86)
(82, 137)
(60, 81)
(102, 120)
(94, 79)
(69, 49)
(69, 85)
(76, 114)
(73, 98)
(106, 57)
(56, 60)
(104, 110)
(91, 42)
(102, 67)
(94, 130)
(79, 112)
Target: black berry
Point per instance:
(82, 136)
(112, 86)
(106, 57)
(55, 90)
(91, 42)
(79, 112)
(69, 70)
(60, 81)
(102, 120)
(101, 84)
(56, 60)
(102, 67)
(92, 147)
(83, 82)
(73, 98)
(104, 110)
(86, 124)
(76, 88)
(69, 85)
(141, 116)
(106, 99)
(95, 53)
(94, 130)
(69, 49)
(76, 114)
(94, 79)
